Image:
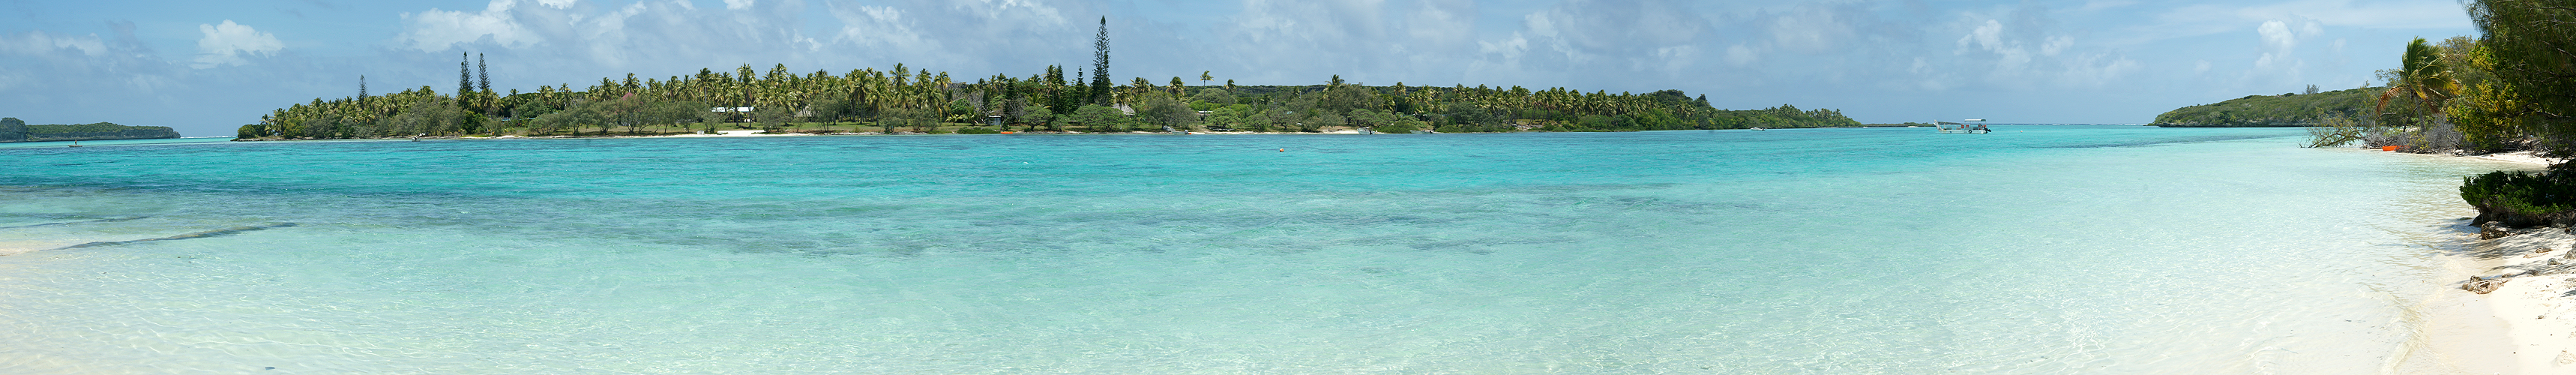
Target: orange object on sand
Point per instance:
(2390, 148)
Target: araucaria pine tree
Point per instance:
(464, 73)
(482, 75)
(1100, 65)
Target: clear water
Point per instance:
(2038, 249)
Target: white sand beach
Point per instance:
(2526, 157)
(2525, 325)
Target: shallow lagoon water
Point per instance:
(2038, 249)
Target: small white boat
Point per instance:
(1425, 132)
(75, 143)
(1759, 129)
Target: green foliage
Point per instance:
(2529, 56)
(2514, 82)
(1316, 122)
(2521, 199)
(1034, 117)
(708, 119)
(2284, 110)
(1165, 111)
(1404, 125)
(1096, 118)
(771, 118)
(977, 130)
(99, 127)
(14, 130)
(918, 99)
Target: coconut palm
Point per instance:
(2421, 85)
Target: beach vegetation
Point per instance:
(2522, 199)
(771, 118)
(1099, 119)
(2284, 110)
(1164, 110)
(2513, 87)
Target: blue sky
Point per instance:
(208, 67)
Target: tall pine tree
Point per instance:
(1100, 65)
(482, 76)
(464, 74)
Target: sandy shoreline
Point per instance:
(758, 133)
(2526, 325)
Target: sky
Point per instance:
(208, 67)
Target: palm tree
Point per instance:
(2423, 83)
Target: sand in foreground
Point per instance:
(2527, 325)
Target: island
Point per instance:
(14, 130)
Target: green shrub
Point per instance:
(2521, 199)
(978, 131)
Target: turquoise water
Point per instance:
(2038, 249)
(116, 142)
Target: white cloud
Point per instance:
(39, 42)
(226, 43)
(2277, 36)
(875, 26)
(2009, 56)
(1654, 37)
(1811, 29)
(40, 47)
(738, 4)
(437, 30)
(2056, 44)
(2314, 15)
(2279, 62)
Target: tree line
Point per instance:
(906, 99)
(2513, 87)
(14, 130)
(918, 100)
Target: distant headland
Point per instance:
(14, 130)
(2285, 110)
